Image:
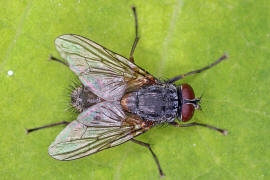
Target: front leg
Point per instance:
(222, 131)
(225, 56)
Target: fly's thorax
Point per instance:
(187, 102)
(82, 98)
(157, 103)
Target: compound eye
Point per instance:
(187, 109)
(187, 112)
(187, 91)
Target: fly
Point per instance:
(117, 100)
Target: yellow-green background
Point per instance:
(176, 37)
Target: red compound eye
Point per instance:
(187, 109)
(187, 92)
(187, 112)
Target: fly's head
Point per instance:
(187, 102)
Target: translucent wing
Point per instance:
(108, 74)
(100, 127)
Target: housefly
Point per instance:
(117, 99)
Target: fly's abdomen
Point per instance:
(82, 98)
(153, 103)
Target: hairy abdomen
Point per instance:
(82, 98)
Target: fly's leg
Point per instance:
(153, 154)
(222, 131)
(198, 70)
(46, 126)
(57, 60)
(131, 58)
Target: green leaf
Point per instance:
(175, 37)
